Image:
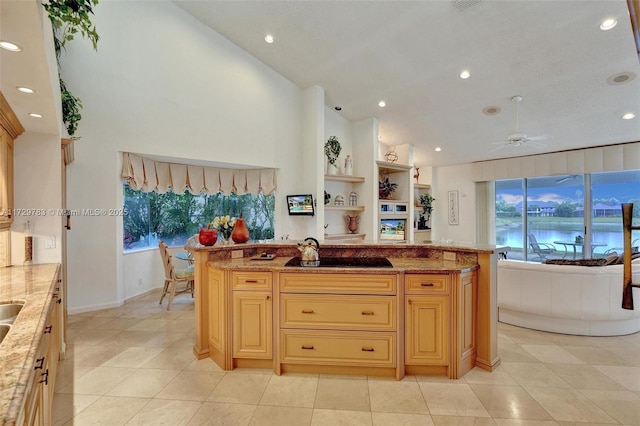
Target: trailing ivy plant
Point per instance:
(71, 17)
(71, 107)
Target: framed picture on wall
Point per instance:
(453, 208)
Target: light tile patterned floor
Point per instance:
(134, 365)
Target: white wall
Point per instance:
(196, 96)
(447, 179)
(37, 189)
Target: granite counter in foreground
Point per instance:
(34, 285)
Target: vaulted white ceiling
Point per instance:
(411, 53)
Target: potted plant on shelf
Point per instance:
(332, 150)
(386, 188)
(426, 201)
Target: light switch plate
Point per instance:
(50, 242)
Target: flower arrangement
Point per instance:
(426, 200)
(224, 225)
(332, 149)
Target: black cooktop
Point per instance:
(345, 262)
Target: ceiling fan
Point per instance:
(517, 138)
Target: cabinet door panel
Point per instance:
(252, 325)
(427, 341)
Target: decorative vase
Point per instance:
(332, 169)
(348, 166)
(240, 232)
(208, 237)
(352, 223)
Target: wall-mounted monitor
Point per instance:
(300, 205)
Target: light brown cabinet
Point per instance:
(426, 329)
(41, 384)
(339, 323)
(252, 333)
(6, 179)
(252, 324)
(440, 323)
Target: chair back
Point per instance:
(167, 263)
(534, 242)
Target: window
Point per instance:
(544, 217)
(174, 218)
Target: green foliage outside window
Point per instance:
(174, 218)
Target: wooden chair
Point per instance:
(173, 276)
(541, 249)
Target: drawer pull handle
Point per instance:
(48, 329)
(307, 347)
(250, 281)
(367, 349)
(427, 284)
(308, 311)
(268, 297)
(59, 301)
(39, 364)
(368, 313)
(46, 377)
(410, 302)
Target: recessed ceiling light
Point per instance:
(268, 38)
(491, 110)
(621, 78)
(34, 115)
(382, 104)
(465, 74)
(629, 116)
(27, 90)
(438, 149)
(12, 47)
(607, 24)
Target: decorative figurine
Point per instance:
(353, 199)
(348, 166)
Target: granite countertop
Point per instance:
(454, 246)
(407, 265)
(33, 285)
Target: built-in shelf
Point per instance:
(344, 236)
(421, 186)
(344, 208)
(386, 168)
(341, 178)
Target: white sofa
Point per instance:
(566, 299)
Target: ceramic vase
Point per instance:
(348, 166)
(208, 237)
(240, 232)
(332, 169)
(352, 223)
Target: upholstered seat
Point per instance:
(173, 276)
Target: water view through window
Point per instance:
(544, 217)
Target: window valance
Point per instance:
(610, 158)
(149, 175)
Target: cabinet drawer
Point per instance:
(338, 348)
(251, 280)
(427, 283)
(338, 312)
(338, 283)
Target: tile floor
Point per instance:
(134, 365)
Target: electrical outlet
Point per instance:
(237, 254)
(50, 242)
(448, 255)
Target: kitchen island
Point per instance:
(432, 312)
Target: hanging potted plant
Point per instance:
(332, 150)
